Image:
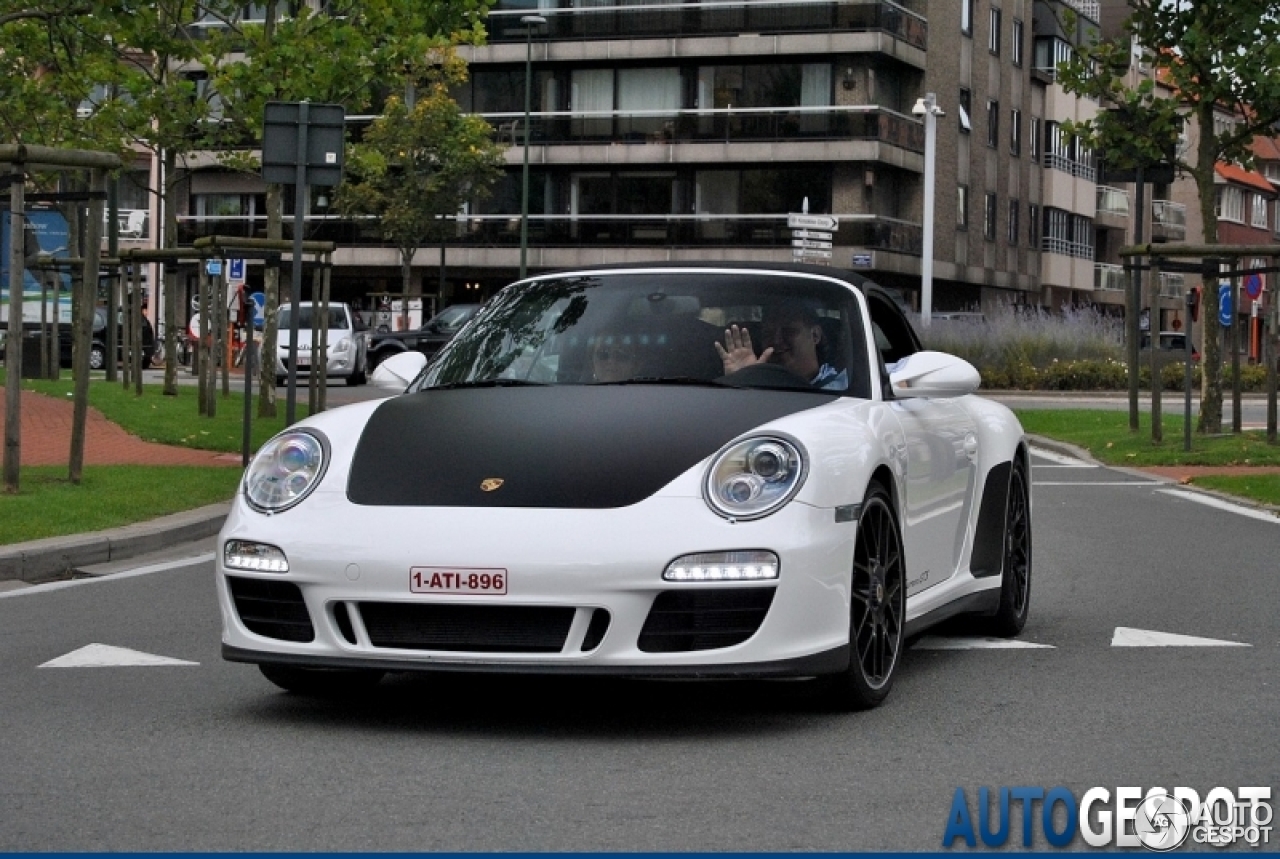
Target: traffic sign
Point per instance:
(811, 234)
(810, 253)
(235, 270)
(259, 302)
(805, 243)
(796, 220)
(1253, 285)
(213, 267)
(1225, 309)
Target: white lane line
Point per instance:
(1218, 503)
(940, 642)
(1039, 466)
(1127, 637)
(1061, 459)
(159, 567)
(1096, 483)
(108, 656)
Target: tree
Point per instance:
(1213, 59)
(416, 167)
(349, 54)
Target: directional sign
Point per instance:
(235, 270)
(259, 302)
(796, 220)
(213, 267)
(1253, 285)
(810, 253)
(805, 243)
(1225, 309)
(811, 234)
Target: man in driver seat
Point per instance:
(793, 339)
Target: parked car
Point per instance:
(98, 342)
(347, 343)
(606, 473)
(1174, 342)
(426, 339)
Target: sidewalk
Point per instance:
(46, 440)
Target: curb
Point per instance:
(58, 557)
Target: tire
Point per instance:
(322, 682)
(878, 610)
(97, 357)
(1015, 569)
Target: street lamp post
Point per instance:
(529, 21)
(928, 108)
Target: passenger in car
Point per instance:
(615, 358)
(793, 338)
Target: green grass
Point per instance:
(108, 496)
(176, 420)
(1259, 487)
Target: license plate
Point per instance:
(457, 580)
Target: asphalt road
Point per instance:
(209, 756)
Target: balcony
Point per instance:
(1112, 208)
(1078, 169)
(1110, 278)
(1172, 284)
(503, 230)
(714, 126)
(657, 19)
(1168, 221)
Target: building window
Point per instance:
(993, 38)
(1015, 131)
(1259, 218)
(966, 17)
(962, 207)
(1013, 222)
(1033, 225)
(1015, 43)
(989, 217)
(1230, 204)
(964, 109)
(993, 123)
(1034, 134)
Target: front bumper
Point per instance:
(338, 364)
(585, 593)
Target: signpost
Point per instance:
(1225, 308)
(1253, 285)
(302, 145)
(811, 235)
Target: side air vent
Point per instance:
(704, 619)
(272, 609)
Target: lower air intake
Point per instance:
(704, 619)
(271, 609)
(473, 628)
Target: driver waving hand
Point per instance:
(793, 339)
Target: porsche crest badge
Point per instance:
(491, 483)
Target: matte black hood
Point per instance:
(570, 446)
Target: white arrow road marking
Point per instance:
(1061, 459)
(938, 642)
(1211, 501)
(106, 656)
(1127, 637)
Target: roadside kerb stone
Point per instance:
(61, 557)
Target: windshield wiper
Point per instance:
(488, 383)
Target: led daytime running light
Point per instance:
(744, 566)
(255, 557)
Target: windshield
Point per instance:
(660, 326)
(306, 318)
(450, 320)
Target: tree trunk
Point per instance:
(406, 284)
(271, 286)
(92, 252)
(170, 278)
(1210, 421)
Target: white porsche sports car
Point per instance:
(665, 470)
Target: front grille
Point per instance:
(704, 619)
(475, 628)
(271, 609)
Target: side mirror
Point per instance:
(933, 374)
(396, 372)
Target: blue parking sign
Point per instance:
(1225, 302)
(235, 269)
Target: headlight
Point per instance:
(343, 345)
(753, 478)
(285, 470)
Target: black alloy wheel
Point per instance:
(321, 682)
(878, 608)
(97, 357)
(1015, 576)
